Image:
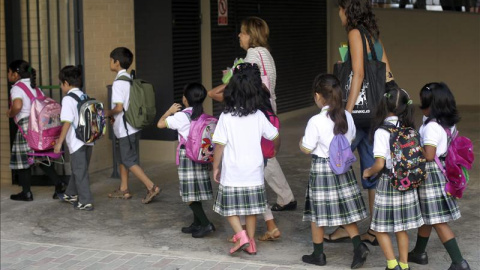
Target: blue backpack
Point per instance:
(341, 155)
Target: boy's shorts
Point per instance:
(127, 153)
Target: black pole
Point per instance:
(39, 74)
(79, 53)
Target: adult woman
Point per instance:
(253, 37)
(355, 14)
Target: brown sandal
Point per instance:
(120, 194)
(269, 235)
(151, 194)
(328, 237)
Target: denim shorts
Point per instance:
(365, 152)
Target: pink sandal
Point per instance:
(252, 249)
(243, 244)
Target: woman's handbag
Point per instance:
(373, 86)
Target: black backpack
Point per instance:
(408, 162)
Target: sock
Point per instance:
(452, 248)
(25, 179)
(356, 241)
(197, 209)
(403, 265)
(317, 249)
(421, 244)
(391, 264)
(196, 221)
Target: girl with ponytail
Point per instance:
(195, 183)
(331, 200)
(23, 77)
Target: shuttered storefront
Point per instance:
(298, 43)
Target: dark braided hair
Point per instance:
(359, 13)
(24, 69)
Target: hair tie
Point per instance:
(409, 102)
(29, 69)
(428, 88)
(387, 95)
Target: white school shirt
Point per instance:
(319, 133)
(242, 162)
(433, 134)
(253, 56)
(381, 143)
(121, 94)
(179, 122)
(69, 114)
(18, 93)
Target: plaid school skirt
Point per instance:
(393, 210)
(437, 206)
(19, 158)
(332, 200)
(240, 201)
(195, 183)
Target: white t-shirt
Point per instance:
(69, 114)
(18, 93)
(253, 56)
(121, 94)
(433, 134)
(180, 122)
(319, 133)
(242, 163)
(381, 143)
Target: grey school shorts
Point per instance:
(126, 155)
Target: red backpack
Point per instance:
(458, 161)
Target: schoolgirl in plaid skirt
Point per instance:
(194, 178)
(331, 199)
(393, 211)
(440, 113)
(237, 137)
(22, 75)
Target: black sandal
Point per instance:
(328, 237)
(374, 242)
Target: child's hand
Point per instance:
(175, 108)
(367, 173)
(57, 148)
(216, 175)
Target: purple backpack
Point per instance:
(199, 146)
(341, 155)
(458, 160)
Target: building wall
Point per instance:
(5, 174)
(425, 47)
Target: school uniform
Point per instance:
(127, 141)
(330, 199)
(436, 205)
(19, 158)
(242, 190)
(393, 210)
(194, 178)
(80, 152)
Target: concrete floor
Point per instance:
(128, 226)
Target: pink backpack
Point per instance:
(458, 160)
(199, 146)
(268, 148)
(44, 125)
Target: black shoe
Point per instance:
(418, 258)
(463, 265)
(59, 189)
(317, 260)
(360, 256)
(27, 197)
(396, 268)
(290, 206)
(204, 230)
(190, 229)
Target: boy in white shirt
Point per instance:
(127, 155)
(78, 191)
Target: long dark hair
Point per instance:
(266, 106)
(241, 96)
(440, 100)
(359, 13)
(195, 94)
(396, 101)
(24, 69)
(329, 87)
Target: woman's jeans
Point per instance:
(365, 152)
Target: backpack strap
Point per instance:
(130, 80)
(450, 138)
(182, 141)
(28, 92)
